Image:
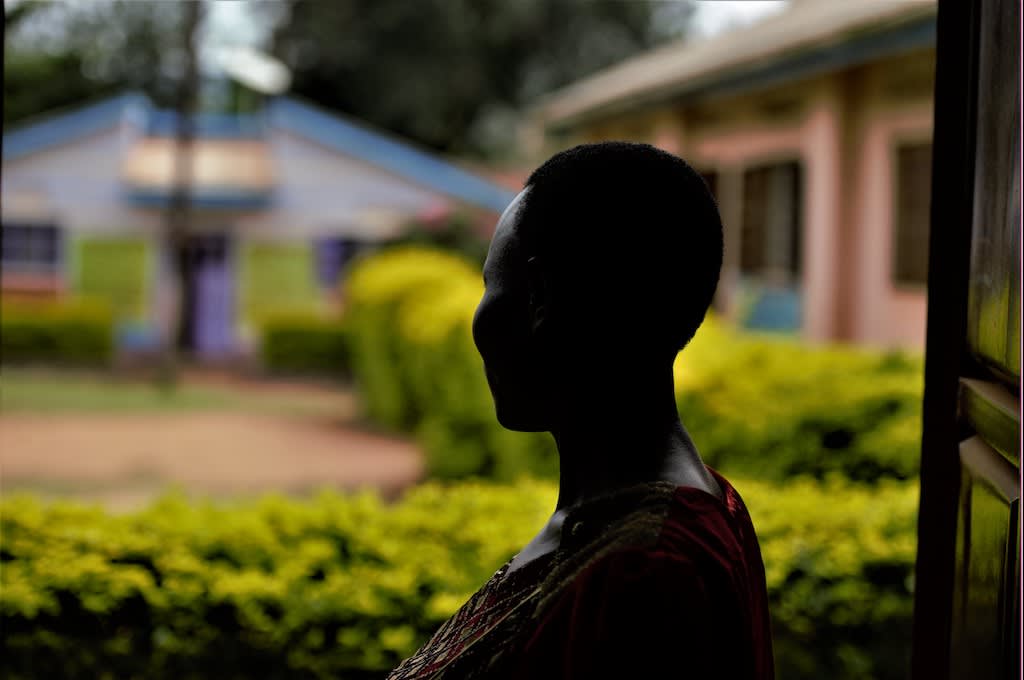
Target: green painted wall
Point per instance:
(116, 270)
(277, 278)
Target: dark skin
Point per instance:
(611, 410)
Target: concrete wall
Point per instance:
(321, 193)
(76, 187)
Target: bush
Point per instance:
(69, 332)
(839, 560)
(455, 233)
(379, 290)
(346, 586)
(774, 408)
(305, 345)
(761, 406)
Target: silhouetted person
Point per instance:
(599, 272)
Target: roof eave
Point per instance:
(55, 130)
(807, 61)
(390, 155)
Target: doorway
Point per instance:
(208, 319)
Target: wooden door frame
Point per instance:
(946, 356)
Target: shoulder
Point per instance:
(633, 612)
(645, 579)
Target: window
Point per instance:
(770, 238)
(30, 248)
(332, 258)
(910, 231)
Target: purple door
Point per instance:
(214, 310)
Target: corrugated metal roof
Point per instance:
(686, 67)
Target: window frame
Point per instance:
(793, 157)
(53, 267)
(896, 143)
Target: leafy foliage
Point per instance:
(346, 586)
(379, 291)
(452, 74)
(60, 54)
(765, 407)
(305, 345)
(458, 233)
(68, 332)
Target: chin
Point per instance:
(520, 420)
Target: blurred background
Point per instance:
(244, 431)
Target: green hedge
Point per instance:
(381, 292)
(305, 345)
(346, 586)
(68, 332)
(766, 407)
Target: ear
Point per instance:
(540, 292)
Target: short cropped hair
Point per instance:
(633, 232)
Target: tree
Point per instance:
(179, 206)
(451, 74)
(58, 54)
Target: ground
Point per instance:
(124, 442)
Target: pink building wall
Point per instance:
(844, 128)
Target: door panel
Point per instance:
(967, 596)
(987, 560)
(993, 322)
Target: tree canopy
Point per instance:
(452, 75)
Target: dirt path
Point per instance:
(123, 460)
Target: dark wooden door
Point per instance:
(967, 594)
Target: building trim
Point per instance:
(398, 158)
(856, 49)
(216, 199)
(336, 133)
(62, 129)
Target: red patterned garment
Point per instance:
(653, 581)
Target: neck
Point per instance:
(623, 434)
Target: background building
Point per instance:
(813, 128)
(281, 200)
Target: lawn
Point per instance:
(52, 392)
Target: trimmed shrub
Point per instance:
(305, 345)
(457, 232)
(346, 586)
(839, 560)
(774, 407)
(379, 290)
(67, 332)
(758, 405)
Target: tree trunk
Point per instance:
(178, 215)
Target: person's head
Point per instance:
(603, 266)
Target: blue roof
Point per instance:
(61, 129)
(327, 129)
(403, 160)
